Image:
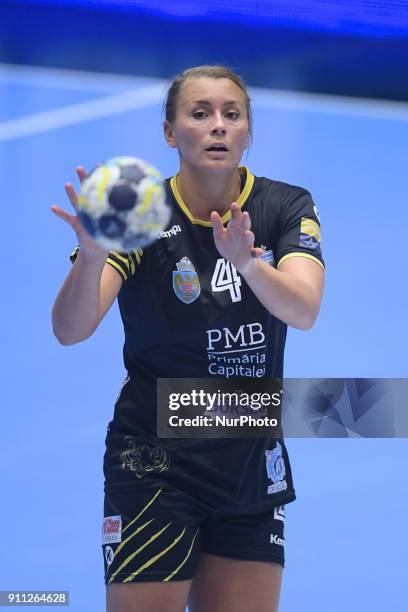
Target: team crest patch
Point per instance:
(309, 234)
(275, 468)
(185, 281)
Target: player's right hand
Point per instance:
(87, 245)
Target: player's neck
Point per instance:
(204, 192)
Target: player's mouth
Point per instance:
(217, 148)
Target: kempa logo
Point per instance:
(109, 554)
(173, 231)
(275, 540)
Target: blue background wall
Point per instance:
(357, 48)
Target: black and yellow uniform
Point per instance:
(187, 313)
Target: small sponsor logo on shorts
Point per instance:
(109, 554)
(277, 540)
(279, 513)
(112, 529)
(276, 488)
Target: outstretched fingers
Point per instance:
(72, 196)
(257, 252)
(62, 214)
(239, 220)
(70, 191)
(72, 220)
(236, 215)
(249, 239)
(81, 172)
(218, 227)
(234, 242)
(238, 225)
(245, 222)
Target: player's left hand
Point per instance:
(236, 241)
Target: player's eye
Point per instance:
(199, 114)
(233, 115)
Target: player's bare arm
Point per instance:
(291, 293)
(91, 285)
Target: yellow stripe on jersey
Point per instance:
(124, 263)
(120, 262)
(170, 576)
(300, 255)
(117, 267)
(241, 200)
(155, 558)
(121, 257)
(133, 262)
(137, 256)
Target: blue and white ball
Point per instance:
(122, 204)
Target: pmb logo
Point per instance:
(250, 334)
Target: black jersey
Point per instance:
(187, 313)
(186, 310)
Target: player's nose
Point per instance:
(218, 126)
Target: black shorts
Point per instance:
(167, 500)
(156, 533)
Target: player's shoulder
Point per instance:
(278, 189)
(278, 196)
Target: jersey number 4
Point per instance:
(225, 278)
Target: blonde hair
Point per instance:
(209, 71)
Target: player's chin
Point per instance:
(226, 163)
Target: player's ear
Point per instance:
(169, 135)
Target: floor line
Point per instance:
(153, 94)
(329, 105)
(81, 113)
(65, 78)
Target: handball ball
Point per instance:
(122, 204)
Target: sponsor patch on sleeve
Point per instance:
(112, 529)
(309, 237)
(267, 256)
